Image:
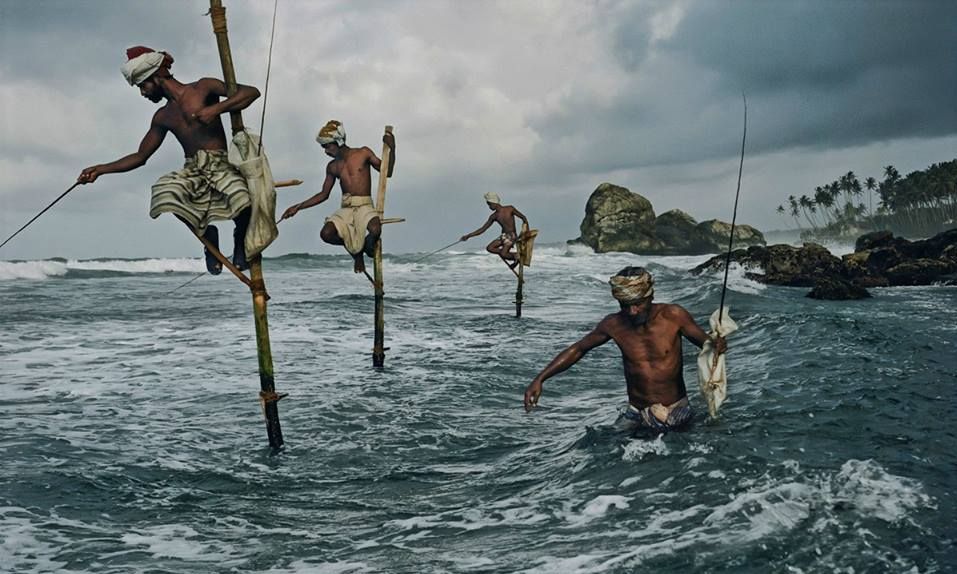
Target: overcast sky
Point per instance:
(540, 101)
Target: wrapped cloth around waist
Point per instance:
(208, 188)
(355, 200)
(352, 221)
(657, 417)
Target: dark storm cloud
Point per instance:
(817, 75)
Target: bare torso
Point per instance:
(353, 171)
(651, 355)
(177, 117)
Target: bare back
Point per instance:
(353, 170)
(505, 217)
(177, 116)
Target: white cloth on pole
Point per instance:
(246, 154)
(712, 375)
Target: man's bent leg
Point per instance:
(330, 235)
(374, 229)
(239, 238)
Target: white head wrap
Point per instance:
(332, 132)
(633, 288)
(137, 70)
(492, 197)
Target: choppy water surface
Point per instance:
(132, 438)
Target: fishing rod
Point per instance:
(272, 36)
(198, 275)
(62, 195)
(457, 241)
(734, 215)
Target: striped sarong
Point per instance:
(658, 418)
(207, 189)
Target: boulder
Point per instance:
(781, 264)
(836, 289)
(619, 220)
(680, 234)
(716, 234)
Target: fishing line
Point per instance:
(727, 262)
(457, 241)
(62, 195)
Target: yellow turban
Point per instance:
(332, 132)
(492, 197)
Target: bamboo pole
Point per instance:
(378, 348)
(267, 395)
(519, 296)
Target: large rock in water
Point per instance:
(880, 260)
(679, 234)
(618, 220)
(780, 264)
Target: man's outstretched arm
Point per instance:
(480, 230)
(562, 362)
(148, 146)
(314, 200)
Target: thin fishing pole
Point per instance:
(734, 215)
(203, 273)
(62, 195)
(272, 36)
(437, 250)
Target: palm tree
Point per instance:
(871, 184)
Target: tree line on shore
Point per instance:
(921, 204)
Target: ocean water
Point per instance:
(132, 439)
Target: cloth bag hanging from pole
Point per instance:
(247, 155)
(712, 375)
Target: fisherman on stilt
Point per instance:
(356, 224)
(649, 337)
(208, 188)
(505, 216)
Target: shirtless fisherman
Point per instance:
(356, 223)
(505, 216)
(649, 337)
(208, 188)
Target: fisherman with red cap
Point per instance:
(208, 188)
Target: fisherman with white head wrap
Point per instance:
(356, 224)
(649, 337)
(208, 188)
(505, 216)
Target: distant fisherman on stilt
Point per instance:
(649, 337)
(505, 216)
(208, 188)
(355, 225)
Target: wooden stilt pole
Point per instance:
(378, 346)
(518, 292)
(267, 394)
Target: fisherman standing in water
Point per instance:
(505, 216)
(356, 223)
(208, 188)
(649, 337)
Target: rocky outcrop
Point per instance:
(837, 289)
(879, 260)
(780, 264)
(617, 219)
